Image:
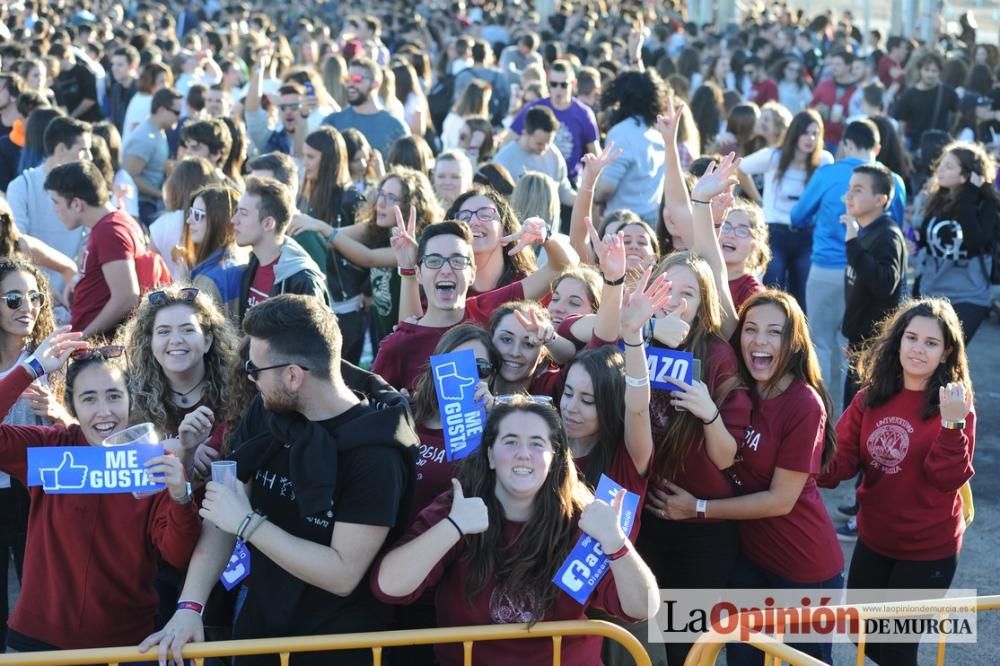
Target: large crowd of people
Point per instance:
(252, 224)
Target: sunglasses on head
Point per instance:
(105, 352)
(15, 299)
(514, 398)
(160, 297)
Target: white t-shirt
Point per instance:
(779, 196)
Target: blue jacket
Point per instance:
(821, 206)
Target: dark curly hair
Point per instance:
(635, 94)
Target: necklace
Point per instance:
(182, 397)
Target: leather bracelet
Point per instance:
(614, 283)
(637, 344)
(253, 527)
(699, 202)
(451, 520)
(717, 412)
(243, 525)
(191, 606)
(621, 552)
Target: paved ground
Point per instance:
(978, 561)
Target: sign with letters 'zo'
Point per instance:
(586, 565)
(666, 365)
(92, 470)
(462, 417)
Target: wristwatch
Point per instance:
(188, 496)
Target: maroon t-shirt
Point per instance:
(455, 609)
(700, 476)
(116, 237)
(403, 355)
(764, 91)
(622, 471)
(787, 432)
(434, 472)
(263, 280)
(743, 287)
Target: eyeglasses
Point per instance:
(457, 261)
(558, 84)
(253, 371)
(105, 352)
(514, 398)
(15, 299)
(354, 78)
(198, 215)
(485, 214)
(740, 231)
(294, 106)
(159, 298)
(390, 199)
(485, 368)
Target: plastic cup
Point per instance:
(142, 433)
(224, 472)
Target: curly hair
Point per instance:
(635, 94)
(147, 382)
(417, 192)
(760, 252)
(44, 322)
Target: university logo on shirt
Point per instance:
(889, 443)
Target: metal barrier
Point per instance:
(376, 641)
(707, 648)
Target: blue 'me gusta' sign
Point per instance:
(586, 565)
(462, 417)
(92, 470)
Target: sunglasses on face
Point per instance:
(485, 368)
(558, 84)
(354, 78)
(15, 299)
(253, 371)
(294, 106)
(485, 214)
(159, 298)
(435, 261)
(197, 215)
(105, 352)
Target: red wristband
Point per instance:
(407, 272)
(621, 552)
(191, 606)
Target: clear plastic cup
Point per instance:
(142, 433)
(224, 472)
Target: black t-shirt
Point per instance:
(369, 491)
(916, 109)
(5, 129)
(74, 85)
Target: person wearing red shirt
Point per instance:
(890, 67)
(832, 97)
(74, 592)
(911, 431)
(763, 88)
(117, 267)
(490, 555)
(786, 537)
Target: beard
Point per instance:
(281, 401)
(358, 98)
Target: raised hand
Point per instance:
(469, 513)
(539, 330)
(593, 165)
(610, 252)
(640, 304)
(533, 230)
(717, 179)
(404, 238)
(721, 205)
(54, 350)
(668, 122)
(672, 330)
(602, 521)
(956, 402)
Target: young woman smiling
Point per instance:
(911, 431)
(73, 594)
(786, 537)
(490, 547)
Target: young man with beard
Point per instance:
(364, 114)
(326, 476)
(10, 87)
(442, 263)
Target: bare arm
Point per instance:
(48, 257)
(715, 183)
(561, 257)
(135, 165)
(348, 243)
(123, 283)
(593, 165)
(678, 202)
(778, 500)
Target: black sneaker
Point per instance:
(849, 531)
(848, 510)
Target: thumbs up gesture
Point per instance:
(469, 513)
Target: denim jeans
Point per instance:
(790, 259)
(749, 575)
(825, 297)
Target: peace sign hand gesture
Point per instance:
(404, 238)
(668, 122)
(533, 230)
(539, 330)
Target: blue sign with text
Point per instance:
(238, 566)
(586, 565)
(92, 470)
(462, 416)
(668, 365)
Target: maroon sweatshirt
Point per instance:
(90, 559)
